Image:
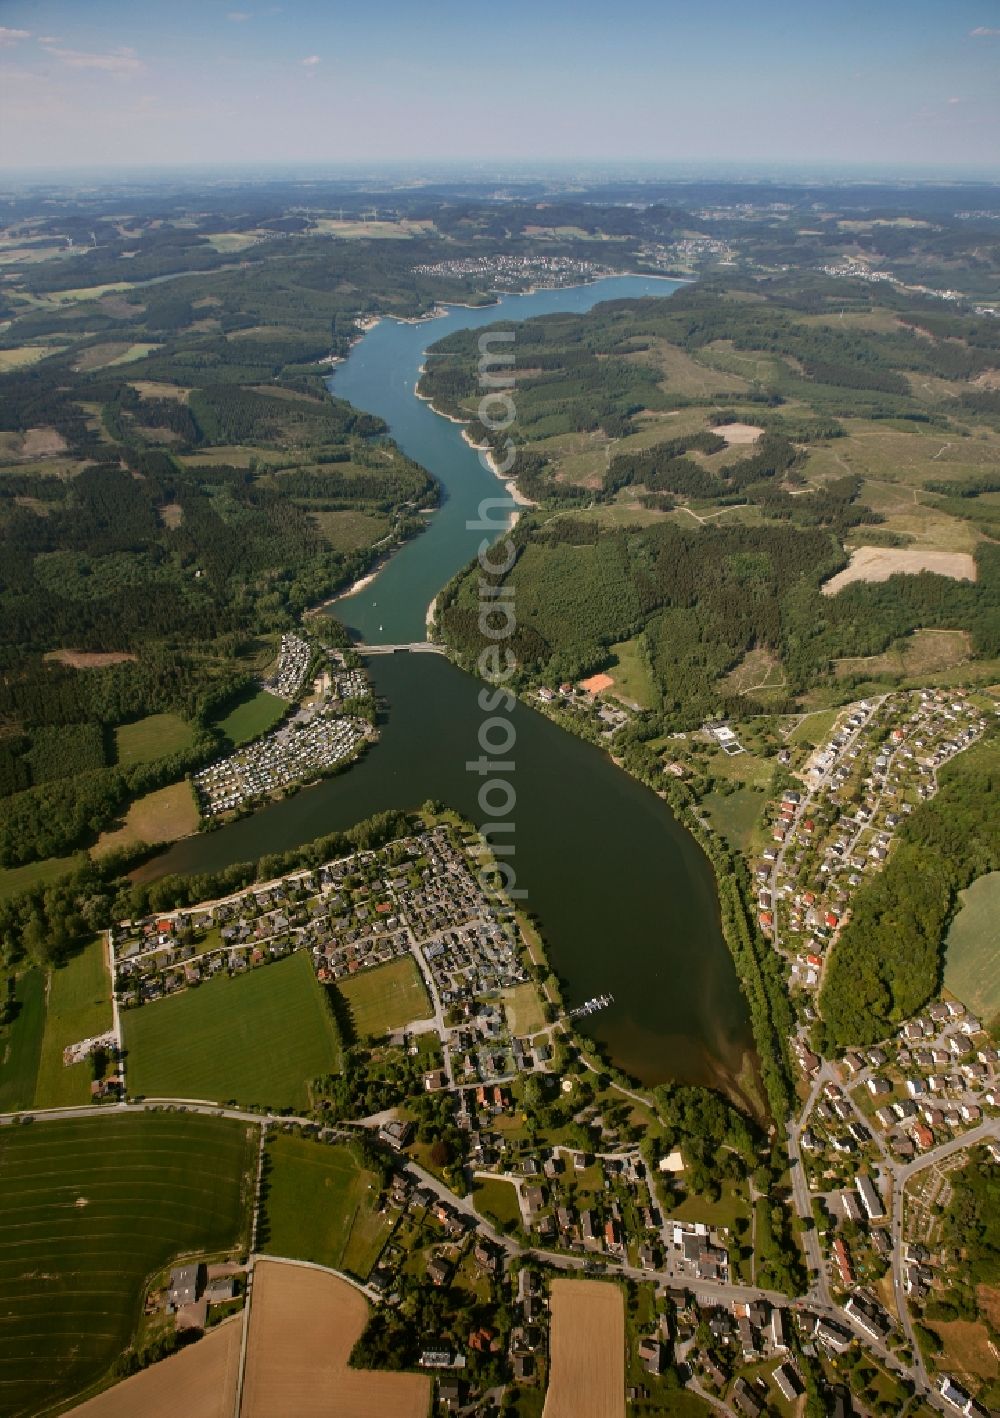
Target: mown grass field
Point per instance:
(21, 1044)
(256, 1038)
(972, 950)
(154, 737)
(79, 1006)
(386, 997)
(88, 1210)
(252, 717)
(320, 1206)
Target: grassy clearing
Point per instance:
(385, 998)
(734, 815)
(731, 1206)
(252, 716)
(631, 673)
(256, 1038)
(157, 389)
(21, 1044)
(497, 1201)
(684, 374)
(14, 880)
(96, 1206)
(235, 456)
(154, 737)
(525, 1013)
(78, 1007)
(758, 672)
(814, 729)
(320, 1206)
(922, 653)
(348, 530)
(162, 816)
(972, 950)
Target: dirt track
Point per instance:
(587, 1374)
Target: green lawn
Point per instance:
(496, 1200)
(386, 997)
(21, 1044)
(252, 716)
(88, 1210)
(156, 736)
(320, 1206)
(79, 1006)
(972, 951)
(256, 1038)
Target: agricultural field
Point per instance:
(972, 950)
(198, 1381)
(252, 717)
(97, 1229)
(303, 1326)
(21, 1044)
(319, 1206)
(385, 998)
(78, 1007)
(155, 736)
(587, 1349)
(258, 1038)
(160, 816)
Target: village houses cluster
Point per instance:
(828, 836)
(419, 894)
(505, 272)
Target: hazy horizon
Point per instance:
(114, 86)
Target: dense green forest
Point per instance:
(701, 600)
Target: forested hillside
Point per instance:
(703, 465)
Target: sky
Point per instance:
(145, 83)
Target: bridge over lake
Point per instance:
(416, 647)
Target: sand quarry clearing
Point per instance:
(587, 1346)
(738, 433)
(879, 563)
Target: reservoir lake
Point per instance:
(625, 896)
